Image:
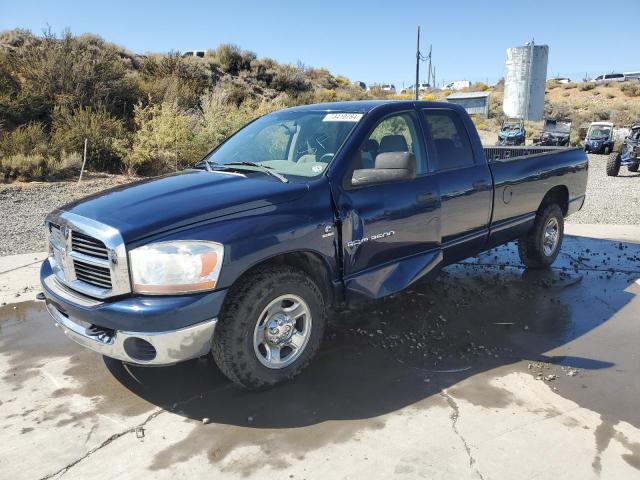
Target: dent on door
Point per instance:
(363, 246)
(391, 278)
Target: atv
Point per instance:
(600, 138)
(556, 133)
(512, 132)
(629, 154)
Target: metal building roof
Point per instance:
(455, 96)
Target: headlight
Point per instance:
(176, 267)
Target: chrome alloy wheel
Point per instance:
(551, 236)
(282, 331)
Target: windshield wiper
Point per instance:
(263, 168)
(206, 163)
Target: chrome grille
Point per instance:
(88, 245)
(92, 274)
(87, 256)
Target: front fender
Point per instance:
(255, 236)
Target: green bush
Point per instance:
(163, 140)
(72, 126)
(26, 139)
(220, 117)
(39, 73)
(232, 59)
(24, 167)
(291, 80)
(630, 89)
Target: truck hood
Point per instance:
(161, 204)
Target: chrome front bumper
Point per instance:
(166, 348)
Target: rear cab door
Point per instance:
(463, 180)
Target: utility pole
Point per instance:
(418, 65)
(434, 77)
(429, 75)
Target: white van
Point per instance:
(610, 77)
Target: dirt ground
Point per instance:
(488, 372)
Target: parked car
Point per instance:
(610, 77)
(512, 132)
(600, 138)
(422, 87)
(194, 53)
(561, 80)
(629, 154)
(243, 254)
(458, 85)
(385, 87)
(555, 133)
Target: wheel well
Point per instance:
(558, 195)
(310, 263)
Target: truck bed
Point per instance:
(523, 175)
(509, 153)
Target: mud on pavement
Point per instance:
(431, 382)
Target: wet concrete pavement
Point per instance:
(490, 371)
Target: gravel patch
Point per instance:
(24, 206)
(610, 200)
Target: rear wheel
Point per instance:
(540, 247)
(634, 168)
(270, 328)
(613, 164)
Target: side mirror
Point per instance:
(390, 167)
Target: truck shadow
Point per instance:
(476, 316)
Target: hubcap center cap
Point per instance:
(279, 329)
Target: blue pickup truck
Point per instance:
(243, 255)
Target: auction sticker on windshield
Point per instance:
(342, 117)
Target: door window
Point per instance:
(450, 139)
(397, 133)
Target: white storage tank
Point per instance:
(524, 81)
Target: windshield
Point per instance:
(599, 132)
(511, 127)
(557, 127)
(293, 144)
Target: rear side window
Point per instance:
(450, 139)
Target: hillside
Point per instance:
(582, 102)
(155, 113)
(140, 113)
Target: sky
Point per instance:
(365, 41)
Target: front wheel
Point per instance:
(607, 150)
(540, 247)
(613, 164)
(634, 168)
(270, 327)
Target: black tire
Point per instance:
(634, 168)
(613, 164)
(233, 340)
(607, 150)
(531, 247)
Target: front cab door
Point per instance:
(391, 229)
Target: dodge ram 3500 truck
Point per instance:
(242, 255)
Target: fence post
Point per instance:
(84, 160)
